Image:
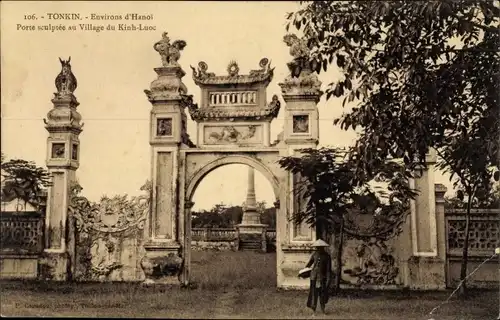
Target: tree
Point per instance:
(486, 199)
(333, 191)
(23, 180)
(421, 74)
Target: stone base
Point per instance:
(251, 228)
(53, 266)
(19, 267)
(426, 273)
(162, 264)
(252, 237)
(486, 277)
(293, 259)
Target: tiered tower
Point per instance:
(63, 159)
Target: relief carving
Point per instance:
(376, 264)
(164, 127)
(58, 150)
(74, 152)
(103, 231)
(301, 124)
(229, 134)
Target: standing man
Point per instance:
(321, 272)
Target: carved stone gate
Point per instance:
(233, 126)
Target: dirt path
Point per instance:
(224, 305)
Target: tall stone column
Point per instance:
(163, 260)
(250, 213)
(301, 90)
(251, 232)
(63, 158)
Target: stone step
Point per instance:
(250, 245)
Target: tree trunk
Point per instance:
(340, 250)
(465, 254)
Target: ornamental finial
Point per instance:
(233, 68)
(170, 53)
(300, 53)
(65, 81)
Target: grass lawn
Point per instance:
(230, 285)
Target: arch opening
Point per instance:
(220, 193)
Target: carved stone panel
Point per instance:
(302, 231)
(164, 127)
(58, 150)
(300, 124)
(56, 210)
(233, 134)
(74, 152)
(369, 262)
(109, 237)
(164, 196)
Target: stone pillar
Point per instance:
(250, 214)
(251, 228)
(162, 262)
(301, 90)
(427, 262)
(63, 159)
(188, 205)
(423, 219)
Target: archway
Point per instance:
(220, 256)
(227, 160)
(233, 125)
(207, 165)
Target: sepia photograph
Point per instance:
(250, 159)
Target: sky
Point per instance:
(114, 67)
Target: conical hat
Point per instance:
(320, 243)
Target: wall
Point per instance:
(484, 238)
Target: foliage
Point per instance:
(334, 191)
(423, 76)
(222, 216)
(425, 66)
(483, 199)
(23, 179)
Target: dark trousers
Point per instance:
(315, 293)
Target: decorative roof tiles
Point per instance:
(264, 75)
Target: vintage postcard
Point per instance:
(250, 159)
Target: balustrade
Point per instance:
(233, 98)
(223, 234)
(21, 233)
